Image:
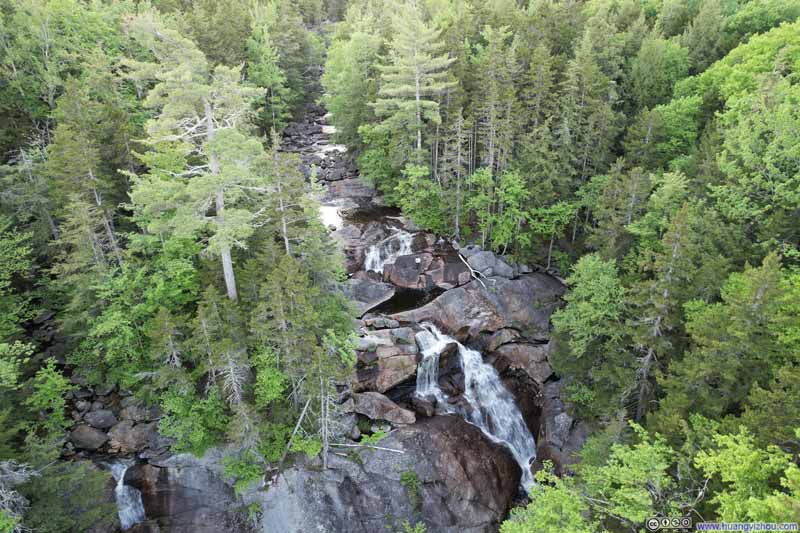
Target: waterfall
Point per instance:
(129, 499)
(489, 404)
(388, 250)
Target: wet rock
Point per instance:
(100, 419)
(83, 405)
(366, 294)
(424, 406)
(186, 494)
(465, 484)
(376, 406)
(86, 437)
(451, 374)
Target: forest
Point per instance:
(155, 238)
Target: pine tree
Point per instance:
(199, 112)
(416, 74)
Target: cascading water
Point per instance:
(489, 404)
(388, 250)
(129, 499)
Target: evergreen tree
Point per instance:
(416, 74)
(495, 100)
(199, 113)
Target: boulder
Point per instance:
(449, 476)
(524, 304)
(125, 437)
(404, 336)
(424, 406)
(394, 370)
(101, 419)
(376, 406)
(448, 272)
(498, 338)
(86, 437)
(408, 271)
(367, 294)
(530, 358)
(469, 250)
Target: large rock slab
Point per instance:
(524, 304)
(351, 188)
(464, 484)
(376, 406)
(488, 264)
(367, 294)
(186, 494)
(85, 437)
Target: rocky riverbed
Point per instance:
(433, 466)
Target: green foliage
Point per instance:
(47, 399)
(375, 438)
(410, 481)
(748, 474)
(245, 469)
(196, 423)
(350, 83)
(556, 505)
(423, 199)
(310, 447)
(418, 527)
(595, 305)
(69, 496)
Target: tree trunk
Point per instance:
(225, 252)
(225, 249)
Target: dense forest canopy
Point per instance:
(646, 151)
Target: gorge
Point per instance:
(452, 368)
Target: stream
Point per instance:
(355, 213)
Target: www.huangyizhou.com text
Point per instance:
(747, 526)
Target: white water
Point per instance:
(491, 406)
(329, 214)
(388, 250)
(129, 499)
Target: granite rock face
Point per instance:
(443, 473)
